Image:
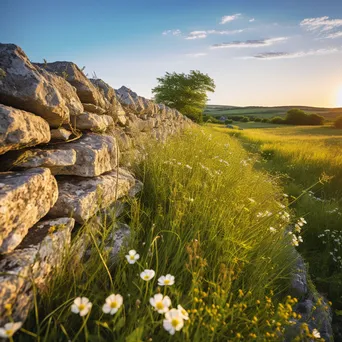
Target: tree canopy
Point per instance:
(185, 92)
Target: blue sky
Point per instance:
(258, 52)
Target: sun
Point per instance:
(339, 98)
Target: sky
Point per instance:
(259, 52)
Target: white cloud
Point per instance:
(204, 34)
(251, 20)
(249, 43)
(228, 18)
(176, 32)
(200, 54)
(298, 54)
(323, 26)
(333, 35)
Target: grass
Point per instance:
(300, 156)
(204, 216)
(269, 112)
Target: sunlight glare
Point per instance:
(339, 98)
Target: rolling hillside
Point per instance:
(268, 112)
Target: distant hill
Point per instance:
(268, 112)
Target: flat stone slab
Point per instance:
(95, 154)
(61, 134)
(93, 122)
(39, 254)
(55, 160)
(89, 107)
(19, 129)
(25, 197)
(81, 198)
(26, 88)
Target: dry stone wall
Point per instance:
(62, 138)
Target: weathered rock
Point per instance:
(67, 91)
(136, 104)
(24, 87)
(93, 122)
(124, 141)
(71, 72)
(55, 160)
(19, 129)
(35, 259)
(60, 134)
(25, 197)
(89, 107)
(116, 240)
(114, 108)
(81, 198)
(312, 307)
(95, 154)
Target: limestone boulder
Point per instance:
(117, 240)
(93, 122)
(67, 91)
(25, 197)
(72, 73)
(19, 129)
(60, 133)
(23, 86)
(114, 108)
(134, 103)
(38, 255)
(81, 198)
(95, 154)
(55, 160)
(89, 107)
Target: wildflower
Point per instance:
(302, 220)
(81, 306)
(166, 280)
(113, 304)
(297, 228)
(160, 303)
(132, 256)
(173, 321)
(316, 333)
(183, 312)
(10, 329)
(147, 275)
(273, 230)
(294, 240)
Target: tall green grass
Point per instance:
(300, 156)
(204, 216)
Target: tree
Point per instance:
(338, 122)
(185, 92)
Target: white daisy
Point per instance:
(173, 321)
(81, 306)
(113, 304)
(166, 280)
(132, 256)
(147, 275)
(160, 303)
(9, 329)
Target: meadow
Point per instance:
(269, 112)
(209, 219)
(308, 161)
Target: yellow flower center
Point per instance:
(159, 305)
(174, 322)
(81, 307)
(131, 257)
(146, 277)
(9, 333)
(166, 281)
(113, 305)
